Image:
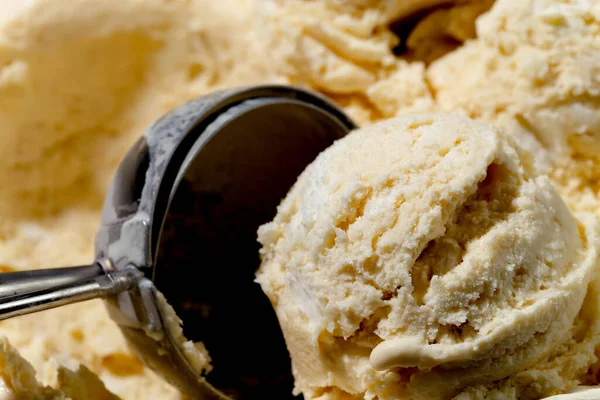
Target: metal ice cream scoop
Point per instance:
(180, 219)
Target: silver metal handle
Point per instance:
(75, 290)
(21, 282)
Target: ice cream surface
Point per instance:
(80, 81)
(580, 393)
(420, 256)
(19, 380)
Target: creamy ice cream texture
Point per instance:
(80, 81)
(420, 256)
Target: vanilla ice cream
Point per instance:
(530, 67)
(580, 393)
(80, 81)
(418, 257)
(19, 380)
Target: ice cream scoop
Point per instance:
(177, 239)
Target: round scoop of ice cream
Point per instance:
(417, 257)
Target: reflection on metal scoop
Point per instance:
(180, 219)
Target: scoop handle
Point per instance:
(21, 282)
(28, 292)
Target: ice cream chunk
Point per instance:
(346, 48)
(419, 256)
(196, 353)
(547, 53)
(18, 380)
(528, 66)
(580, 393)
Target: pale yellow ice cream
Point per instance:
(19, 380)
(346, 49)
(535, 70)
(420, 256)
(80, 81)
(580, 393)
(531, 67)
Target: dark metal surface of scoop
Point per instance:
(181, 218)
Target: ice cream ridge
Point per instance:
(422, 258)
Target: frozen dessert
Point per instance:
(360, 52)
(579, 393)
(195, 352)
(20, 382)
(80, 81)
(530, 67)
(420, 258)
(345, 47)
(545, 52)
